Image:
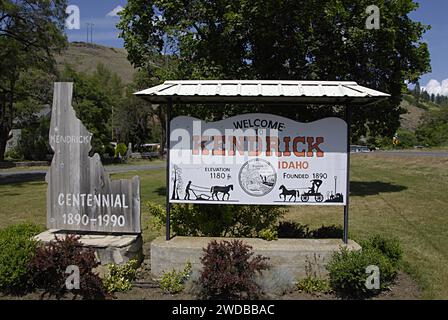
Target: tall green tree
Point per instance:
(94, 95)
(417, 91)
(285, 39)
(31, 32)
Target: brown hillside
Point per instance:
(413, 116)
(85, 57)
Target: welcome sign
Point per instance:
(258, 159)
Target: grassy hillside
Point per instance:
(415, 111)
(85, 57)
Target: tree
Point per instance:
(417, 91)
(433, 131)
(34, 94)
(93, 101)
(135, 118)
(285, 39)
(31, 32)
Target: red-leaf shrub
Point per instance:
(51, 261)
(229, 271)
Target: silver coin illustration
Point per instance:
(257, 177)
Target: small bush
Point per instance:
(313, 285)
(314, 281)
(119, 277)
(294, 230)
(406, 138)
(348, 272)
(229, 271)
(173, 281)
(14, 154)
(390, 247)
(328, 232)
(49, 264)
(268, 234)
(120, 150)
(16, 250)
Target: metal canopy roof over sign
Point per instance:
(262, 91)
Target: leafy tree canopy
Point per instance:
(30, 32)
(284, 39)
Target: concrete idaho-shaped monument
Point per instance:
(80, 194)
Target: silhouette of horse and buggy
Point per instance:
(312, 191)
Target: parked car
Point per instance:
(358, 148)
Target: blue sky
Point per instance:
(432, 12)
(96, 12)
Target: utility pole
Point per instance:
(90, 26)
(112, 136)
(91, 33)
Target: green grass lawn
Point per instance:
(404, 197)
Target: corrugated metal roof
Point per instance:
(262, 91)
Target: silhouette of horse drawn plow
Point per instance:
(206, 193)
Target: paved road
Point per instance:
(39, 174)
(397, 153)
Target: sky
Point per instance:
(103, 15)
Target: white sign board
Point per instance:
(258, 159)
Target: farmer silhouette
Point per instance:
(187, 191)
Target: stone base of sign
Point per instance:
(117, 249)
(287, 256)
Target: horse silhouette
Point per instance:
(285, 192)
(224, 190)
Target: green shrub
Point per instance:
(119, 277)
(173, 281)
(406, 138)
(433, 131)
(219, 221)
(229, 271)
(312, 285)
(390, 247)
(268, 234)
(327, 232)
(347, 271)
(295, 230)
(121, 150)
(16, 250)
(314, 280)
(14, 154)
